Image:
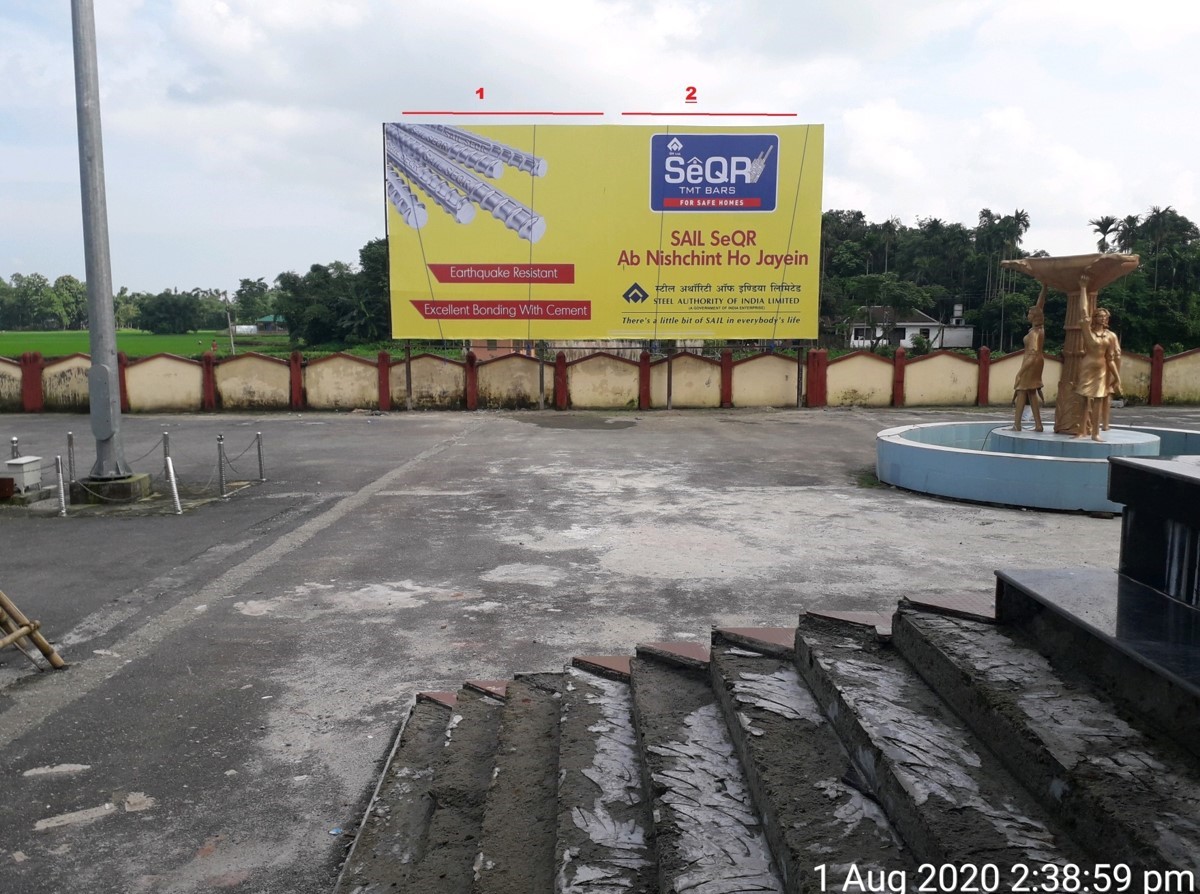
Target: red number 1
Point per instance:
(479, 93)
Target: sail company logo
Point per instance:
(714, 172)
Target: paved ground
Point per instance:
(237, 672)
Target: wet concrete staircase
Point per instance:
(1046, 741)
(849, 753)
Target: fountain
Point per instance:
(992, 462)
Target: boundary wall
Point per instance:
(166, 383)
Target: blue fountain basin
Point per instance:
(987, 462)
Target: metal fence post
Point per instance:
(166, 452)
(262, 469)
(174, 486)
(221, 462)
(16, 451)
(62, 493)
(71, 455)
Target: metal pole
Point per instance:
(104, 387)
(62, 493)
(166, 451)
(408, 403)
(16, 451)
(670, 370)
(541, 380)
(221, 462)
(174, 486)
(71, 455)
(262, 468)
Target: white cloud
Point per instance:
(242, 136)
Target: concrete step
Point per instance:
(520, 818)
(392, 837)
(462, 775)
(800, 776)
(950, 799)
(603, 818)
(707, 835)
(1128, 795)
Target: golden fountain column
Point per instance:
(1064, 274)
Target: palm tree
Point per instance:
(1158, 223)
(1104, 227)
(1128, 230)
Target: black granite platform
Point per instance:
(1138, 643)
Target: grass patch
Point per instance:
(867, 478)
(136, 343)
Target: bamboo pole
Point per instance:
(36, 638)
(17, 634)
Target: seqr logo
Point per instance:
(714, 172)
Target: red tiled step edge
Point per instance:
(973, 606)
(682, 654)
(494, 688)
(779, 641)
(615, 667)
(881, 621)
(446, 699)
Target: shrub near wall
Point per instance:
(65, 383)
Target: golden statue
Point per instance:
(1028, 384)
(1064, 273)
(1099, 374)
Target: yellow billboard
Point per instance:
(544, 232)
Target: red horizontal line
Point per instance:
(500, 113)
(720, 114)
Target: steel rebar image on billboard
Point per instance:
(438, 161)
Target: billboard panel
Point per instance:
(603, 231)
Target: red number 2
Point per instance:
(689, 94)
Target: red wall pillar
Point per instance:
(122, 366)
(985, 375)
(817, 369)
(472, 381)
(296, 369)
(898, 378)
(1156, 376)
(726, 378)
(644, 381)
(208, 381)
(562, 399)
(33, 396)
(384, 363)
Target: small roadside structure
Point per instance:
(882, 324)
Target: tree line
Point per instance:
(932, 267)
(935, 265)
(330, 304)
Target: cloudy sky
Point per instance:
(242, 137)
